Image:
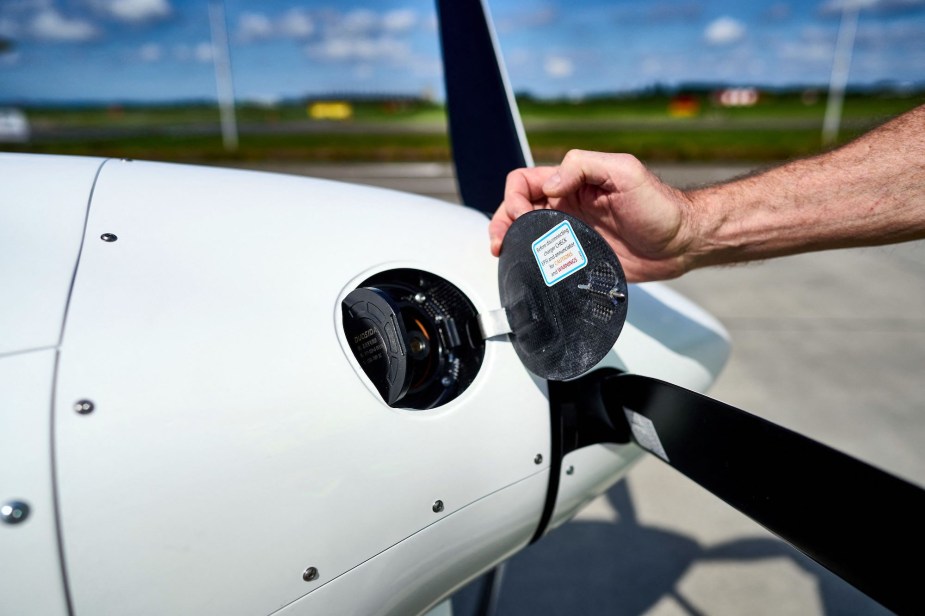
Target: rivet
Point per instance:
(420, 298)
(570, 470)
(538, 459)
(310, 574)
(438, 506)
(109, 237)
(14, 512)
(84, 407)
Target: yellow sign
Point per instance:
(330, 110)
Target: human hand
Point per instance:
(646, 222)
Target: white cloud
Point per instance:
(518, 57)
(203, 52)
(50, 25)
(347, 49)
(366, 38)
(526, 17)
(724, 31)
(296, 23)
(150, 52)
(134, 11)
(359, 21)
(813, 46)
(362, 39)
(558, 67)
(331, 49)
(330, 25)
(424, 66)
(905, 35)
(399, 20)
(807, 52)
(254, 27)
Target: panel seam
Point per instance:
(56, 504)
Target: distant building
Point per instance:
(14, 126)
(330, 110)
(683, 106)
(737, 97)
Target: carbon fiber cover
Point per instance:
(564, 291)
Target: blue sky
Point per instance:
(106, 50)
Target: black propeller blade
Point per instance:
(485, 130)
(862, 523)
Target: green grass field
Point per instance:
(777, 128)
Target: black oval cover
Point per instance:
(564, 292)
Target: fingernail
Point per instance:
(552, 181)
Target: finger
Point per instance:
(523, 188)
(497, 229)
(580, 167)
(528, 182)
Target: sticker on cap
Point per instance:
(559, 254)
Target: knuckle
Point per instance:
(573, 156)
(629, 162)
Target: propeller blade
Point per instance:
(862, 523)
(486, 134)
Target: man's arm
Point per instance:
(870, 191)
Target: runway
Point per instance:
(831, 345)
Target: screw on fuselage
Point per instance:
(84, 407)
(420, 298)
(14, 512)
(538, 459)
(109, 237)
(310, 574)
(570, 470)
(438, 506)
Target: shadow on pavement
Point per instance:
(592, 567)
